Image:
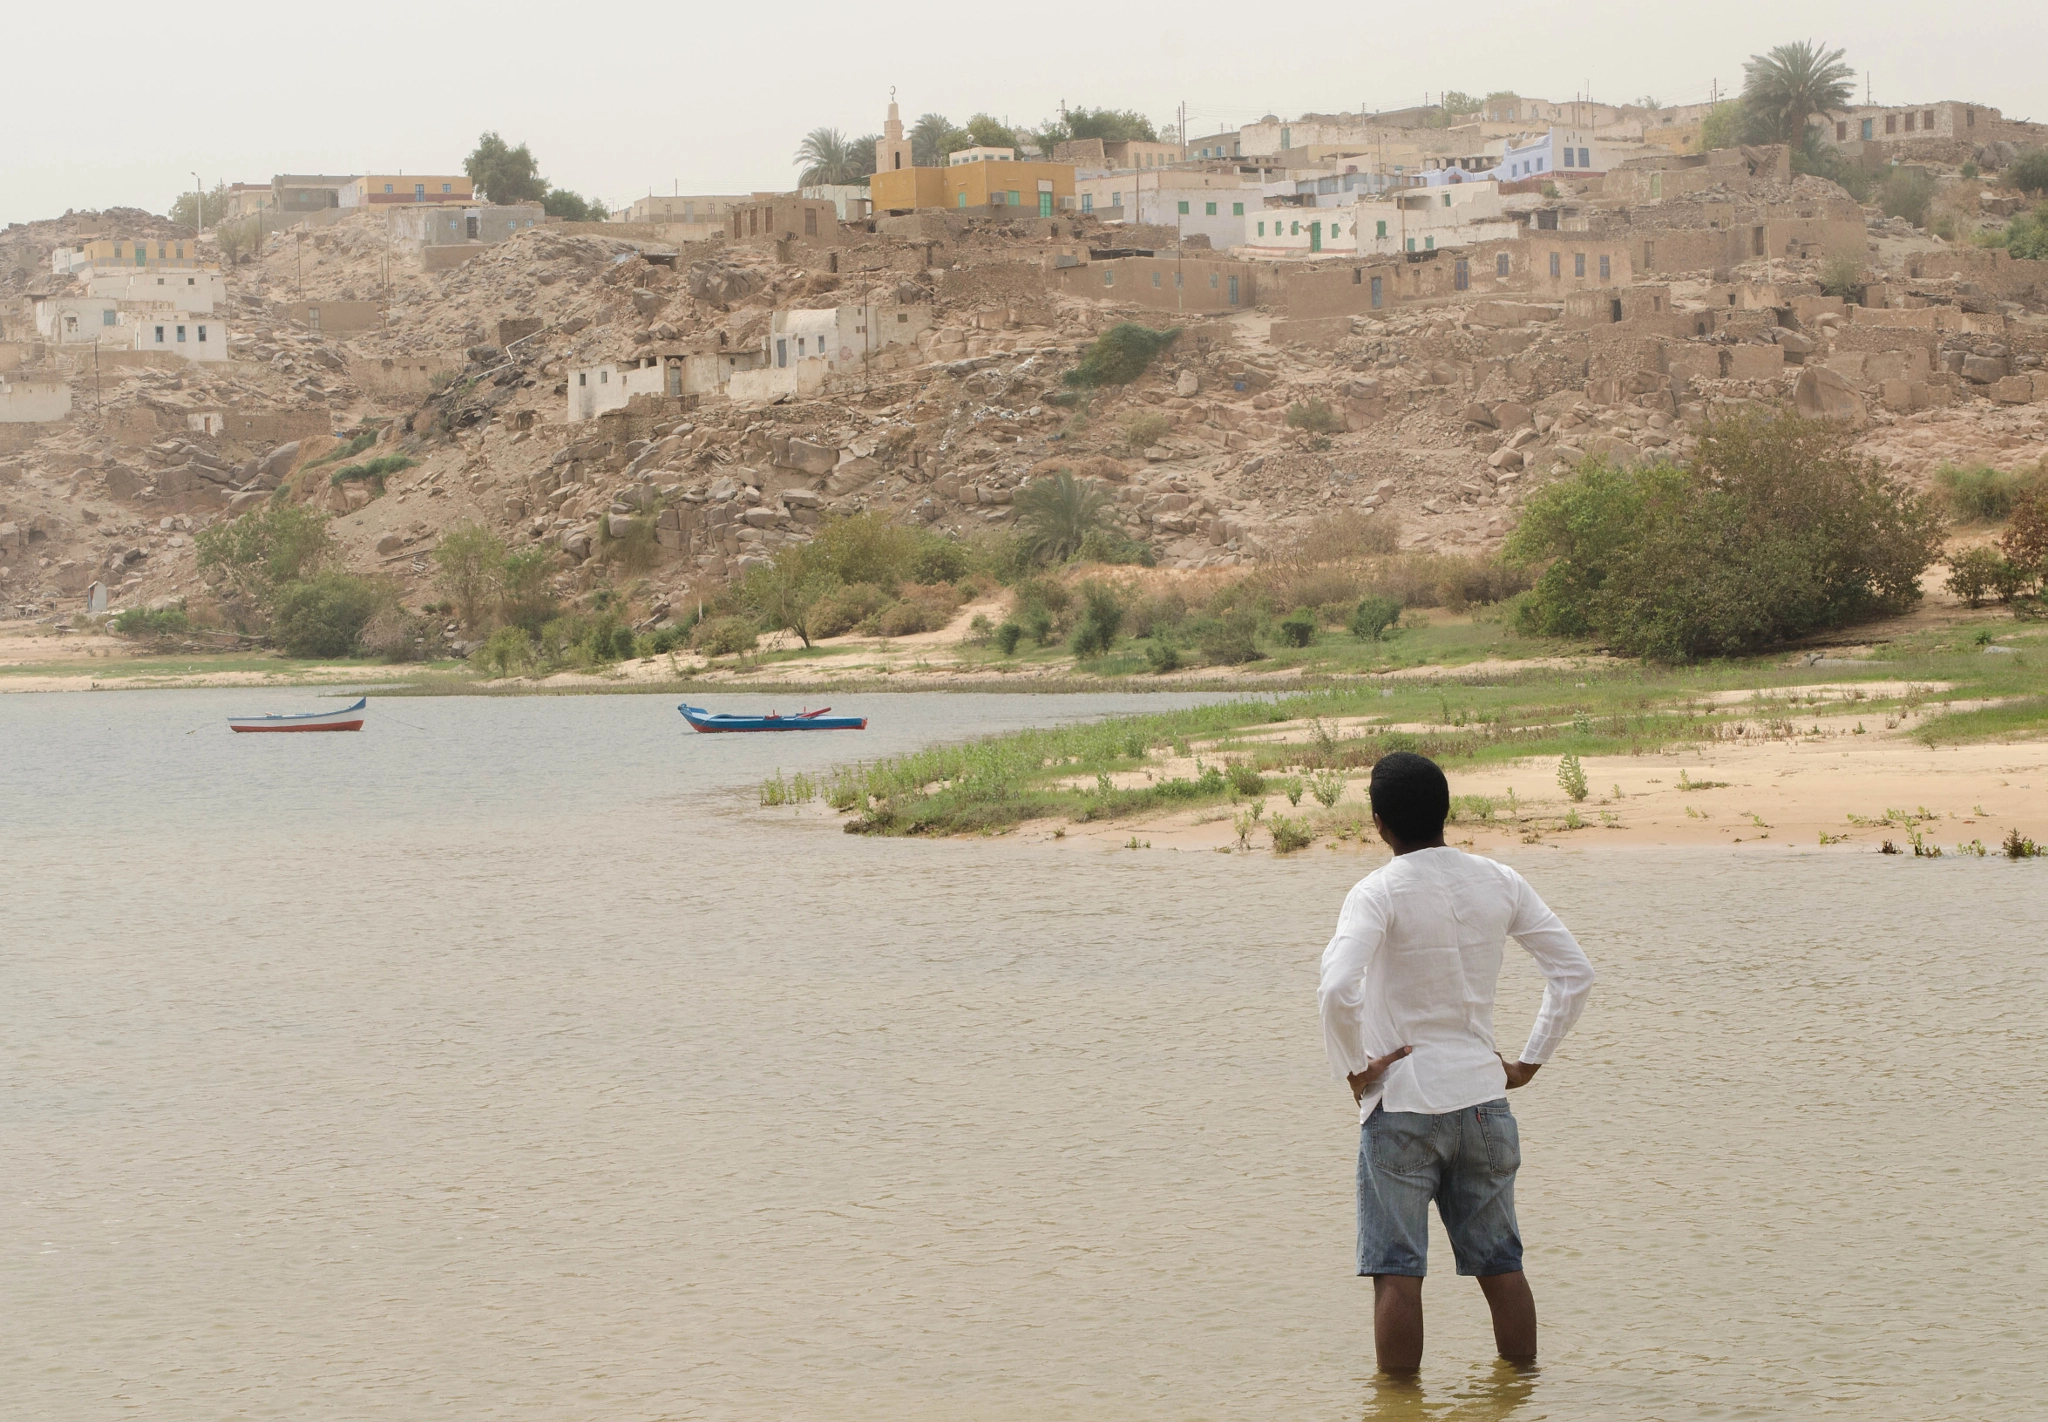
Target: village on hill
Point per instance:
(500, 405)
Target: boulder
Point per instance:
(390, 543)
(1187, 384)
(1983, 370)
(1821, 394)
(761, 517)
(1509, 414)
(851, 475)
(618, 525)
(575, 542)
(2013, 390)
(801, 499)
(1480, 415)
(122, 482)
(808, 458)
(278, 463)
(254, 498)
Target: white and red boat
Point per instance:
(348, 718)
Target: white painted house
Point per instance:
(186, 289)
(78, 320)
(172, 332)
(1423, 219)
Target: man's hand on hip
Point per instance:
(1519, 1072)
(1375, 1068)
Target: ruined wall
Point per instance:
(334, 318)
(1162, 283)
(34, 401)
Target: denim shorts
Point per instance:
(1466, 1162)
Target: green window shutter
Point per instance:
(1209, 209)
(1383, 229)
(1183, 209)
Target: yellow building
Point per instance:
(376, 189)
(1037, 188)
(119, 252)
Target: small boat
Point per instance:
(702, 720)
(348, 718)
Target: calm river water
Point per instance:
(511, 1063)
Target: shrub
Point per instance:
(1346, 536)
(607, 639)
(1162, 656)
(1007, 637)
(262, 551)
(324, 615)
(1973, 573)
(1298, 628)
(1980, 494)
(722, 636)
(2028, 172)
(1144, 429)
(524, 597)
(159, 624)
(1328, 788)
(1289, 834)
(1244, 778)
(1841, 276)
(2025, 540)
(1039, 623)
(1571, 777)
(1292, 787)
(1102, 613)
(1315, 416)
(980, 631)
(938, 560)
(1156, 612)
(507, 651)
(1230, 640)
(1104, 544)
(635, 550)
(927, 612)
(372, 471)
(787, 589)
(845, 608)
(469, 560)
(1120, 355)
(1777, 530)
(1374, 617)
(865, 548)
(1969, 169)
(1907, 193)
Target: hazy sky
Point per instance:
(119, 103)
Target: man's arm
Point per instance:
(1567, 978)
(1361, 927)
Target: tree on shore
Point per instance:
(1775, 530)
(1781, 90)
(469, 559)
(504, 174)
(1055, 515)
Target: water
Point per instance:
(519, 1066)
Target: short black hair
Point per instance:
(1410, 795)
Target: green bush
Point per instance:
(373, 471)
(723, 636)
(2024, 237)
(2028, 172)
(606, 639)
(1144, 429)
(469, 560)
(324, 615)
(1102, 614)
(1841, 276)
(255, 555)
(1298, 628)
(1907, 193)
(1315, 416)
(506, 652)
(1055, 515)
(1374, 617)
(1162, 656)
(1777, 530)
(1120, 355)
(1981, 494)
(1231, 639)
(524, 597)
(865, 548)
(1244, 778)
(1571, 778)
(1328, 788)
(158, 625)
(938, 560)
(1289, 834)
(927, 612)
(845, 608)
(1104, 544)
(1008, 635)
(1975, 573)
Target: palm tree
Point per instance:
(1793, 82)
(1057, 513)
(864, 154)
(932, 137)
(826, 157)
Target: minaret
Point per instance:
(892, 149)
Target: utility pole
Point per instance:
(198, 206)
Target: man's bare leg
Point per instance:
(1514, 1316)
(1397, 1322)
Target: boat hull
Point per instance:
(717, 723)
(348, 718)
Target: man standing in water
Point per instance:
(1407, 1004)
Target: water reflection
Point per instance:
(1486, 1392)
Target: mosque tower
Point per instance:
(892, 149)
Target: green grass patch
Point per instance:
(2026, 716)
(374, 471)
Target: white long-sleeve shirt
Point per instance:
(1414, 963)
